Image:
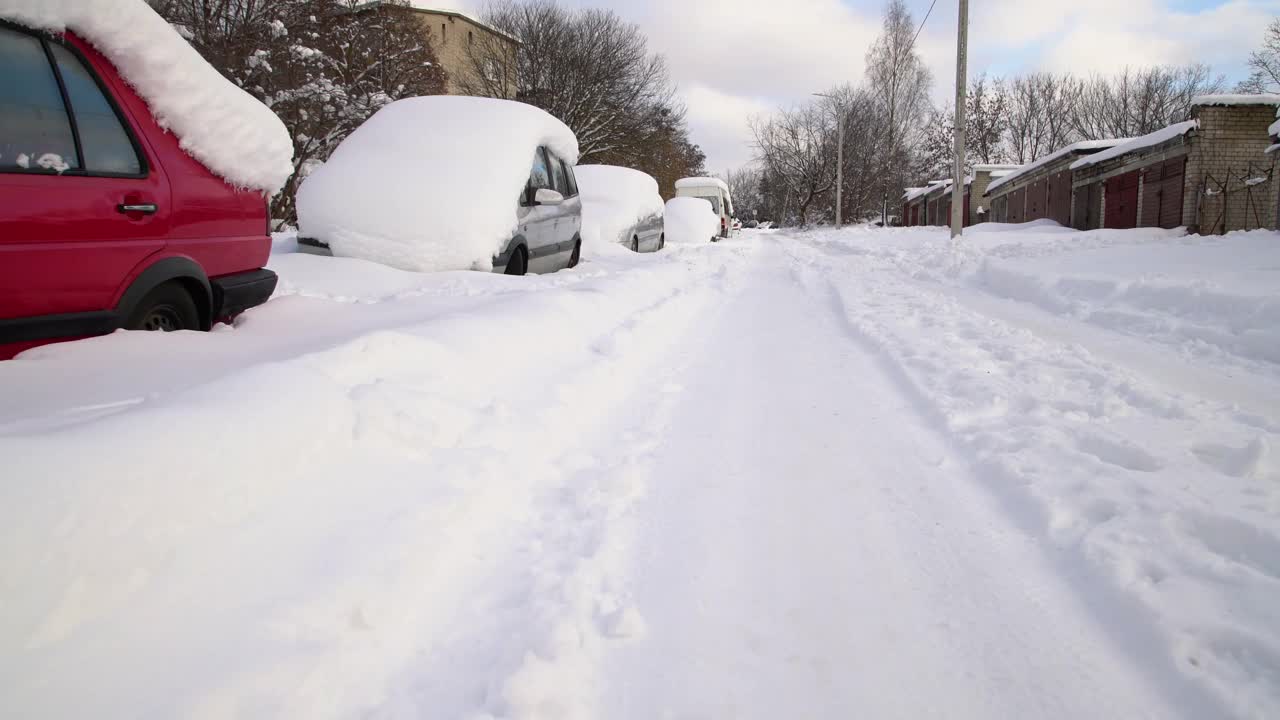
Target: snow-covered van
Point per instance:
(714, 191)
(133, 177)
(440, 183)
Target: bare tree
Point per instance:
(987, 116)
(324, 66)
(899, 82)
(1264, 64)
(1139, 101)
(1039, 113)
(589, 68)
(796, 146)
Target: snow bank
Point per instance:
(614, 200)
(1047, 159)
(430, 183)
(691, 220)
(697, 182)
(1162, 135)
(217, 123)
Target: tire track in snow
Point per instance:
(977, 379)
(809, 548)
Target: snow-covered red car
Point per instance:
(133, 177)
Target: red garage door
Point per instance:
(1122, 201)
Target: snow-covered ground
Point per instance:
(865, 473)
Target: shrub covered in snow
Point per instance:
(219, 124)
(614, 200)
(430, 183)
(691, 220)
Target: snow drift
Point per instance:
(430, 183)
(614, 200)
(691, 220)
(217, 123)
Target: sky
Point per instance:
(735, 59)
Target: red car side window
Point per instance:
(35, 131)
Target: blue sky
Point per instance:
(738, 58)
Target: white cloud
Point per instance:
(720, 123)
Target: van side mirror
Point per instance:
(547, 196)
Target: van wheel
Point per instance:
(165, 309)
(519, 262)
(576, 257)
(635, 244)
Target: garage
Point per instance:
(1122, 201)
(1162, 188)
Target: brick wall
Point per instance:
(1226, 152)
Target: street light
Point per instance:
(839, 154)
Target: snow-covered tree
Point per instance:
(324, 66)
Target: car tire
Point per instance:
(576, 257)
(519, 262)
(635, 244)
(167, 308)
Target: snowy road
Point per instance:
(793, 475)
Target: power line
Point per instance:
(922, 22)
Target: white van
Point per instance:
(714, 191)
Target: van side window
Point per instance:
(558, 179)
(572, 180)
(35, 131)
(539, 175)
(106, 146)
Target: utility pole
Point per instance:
(962, 83)
(839, 157)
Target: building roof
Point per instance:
(995, 168)
(1224, 100)
(1149, 140)
(1084, 146)
(414, 6)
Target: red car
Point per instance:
(105, 222)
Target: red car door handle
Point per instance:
(144, 208)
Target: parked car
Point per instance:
(450, 183)
(107, 221)
(621, 205)
(691, 220)
(714, 191)
(737, 225)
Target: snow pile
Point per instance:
(690, 220)
(1149, 140)
(430, 183)
(217, 123)
(614, 200)
(1082, 146)
(356, 492)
